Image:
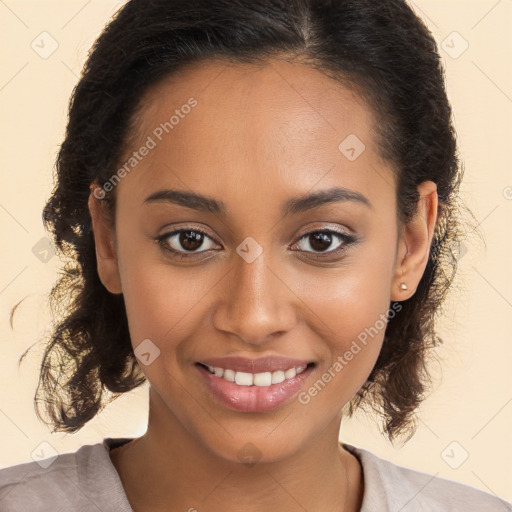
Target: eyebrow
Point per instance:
(293, 206)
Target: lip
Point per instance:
(260, 365)
(253, 398)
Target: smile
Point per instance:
(254, 391)
(263, 379)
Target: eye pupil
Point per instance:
(320, 241)
(191, 240)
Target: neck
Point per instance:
(169, 469)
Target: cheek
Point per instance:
(162, 306)
(161, 302)
(348, 310)
(168, 306)
(355, 316)
(352, 323)
(347, 301)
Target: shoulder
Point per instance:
(396, 487)
(83, 480)
(30, 485)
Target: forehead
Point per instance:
(276, 124)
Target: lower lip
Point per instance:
(253, 398)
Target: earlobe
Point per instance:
(414, 244)
(106, 256)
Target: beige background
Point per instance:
(471, 402)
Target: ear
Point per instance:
(414, 243)
(104, 237)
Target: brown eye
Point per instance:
(190, 240)
(183, 241)
(321, 241)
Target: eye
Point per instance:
(320, 240)
(185, 242)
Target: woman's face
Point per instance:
(257, 141)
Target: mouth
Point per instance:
(233, 386)
(261, 379)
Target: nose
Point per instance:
(257, 302)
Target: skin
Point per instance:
(273, 137)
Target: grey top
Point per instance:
(87, 481)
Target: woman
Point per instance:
(259, 201)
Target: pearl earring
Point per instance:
(403, 286)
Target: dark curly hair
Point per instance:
(379, 48)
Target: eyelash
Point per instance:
(346, 239)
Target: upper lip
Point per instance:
(261, 365)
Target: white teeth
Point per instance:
(278, 377)
(264, 379)
(229, 375)
(289, 374)
(243, 379)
